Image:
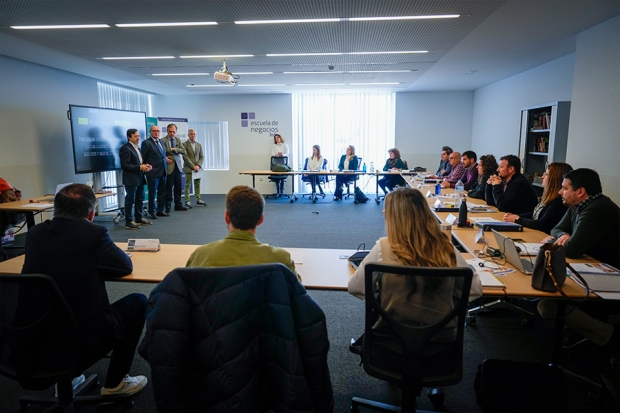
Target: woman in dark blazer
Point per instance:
(550, 209)
(348, 162)
(388, 182)
(487, 165)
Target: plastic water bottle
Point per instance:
(460, 190)
(89, 183)
(438, 189)
(364, 168)
(9, 235)
(372, 168)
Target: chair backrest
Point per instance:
(405, 347)
(278, 160)
(39, 342)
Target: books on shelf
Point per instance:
(542, 122)
(541, 144)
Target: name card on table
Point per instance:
(451, 219)
(151, 245)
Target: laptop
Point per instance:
(356, 259)
(509, 249)
(600, 277)
(58, 188)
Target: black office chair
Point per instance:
(278, 179)
(353, 178)
(405, 355)
(321, 180)
(39, 344)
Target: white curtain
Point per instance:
(114, 97)
(213, 136)
(337, 120)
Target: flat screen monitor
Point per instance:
(98, 134)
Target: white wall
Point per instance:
(36, 134)
(594, 134)
(426, 121)
(248, 149)
(497, 107)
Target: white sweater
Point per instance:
(279, 148)
(315, 164)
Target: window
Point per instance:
(337, 120)
(213, 136)
(115, 97)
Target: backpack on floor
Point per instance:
(359, 195)
(515, 387)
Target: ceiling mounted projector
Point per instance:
(224, 76)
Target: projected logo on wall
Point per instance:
(248, 120)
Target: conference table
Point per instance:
(32, 206)
(323, 269)
(293, 197)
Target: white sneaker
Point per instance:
(129, 385)
(74, 383)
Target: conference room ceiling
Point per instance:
(489, 41)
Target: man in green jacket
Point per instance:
(244, 213)
(590, 226)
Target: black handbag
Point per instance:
(550, 270)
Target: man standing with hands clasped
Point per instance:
(134, 180)
(193, 163)
(153, 153)
(174, 160)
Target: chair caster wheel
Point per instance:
(314, 200)
(436, 397)
(355, 202)
(291, 201)
(117, 220)
(377, 201)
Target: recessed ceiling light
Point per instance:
(302, 54)
(374, 83)
(471, 72)
(395, 52)
(306, 73)
(166, 24)
(436, 16)
(62, 26)
(286, 21)
(180, 74)
(216, 56)
(137, 57)
(319, 84)
(192, 86)
(254, 73)
(266, 85)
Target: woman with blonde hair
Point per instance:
(348, 162)
(550, 209)
(413, 239)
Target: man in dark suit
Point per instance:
(134, 180)
(153, 153)
(79, 256)
(174, 161)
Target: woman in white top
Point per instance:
(314, 163)
(414, 239)
(279, 148)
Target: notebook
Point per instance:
(58, 188)
(600, 277)
(509, 249)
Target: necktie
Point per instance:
(172, 142)
(161, 150)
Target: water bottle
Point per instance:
(460, 190)
(89, 183)
(462, 214)
(9, 235)
(438, 189)
(372, 168)
(364, 168)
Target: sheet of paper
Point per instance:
(298, 256)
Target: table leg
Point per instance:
(558, 334)
(253, 181)
(30, 219)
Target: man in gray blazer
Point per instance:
(174, 160)
(193, 162)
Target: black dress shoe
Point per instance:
(167, 210)
(162, 214)
(180, 208)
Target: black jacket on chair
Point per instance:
(242, 339)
